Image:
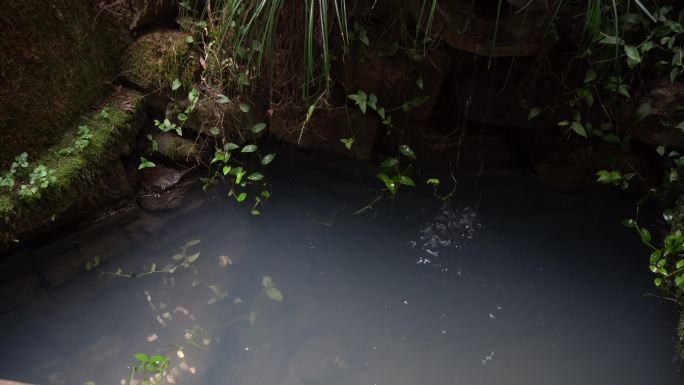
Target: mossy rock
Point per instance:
(78, 174)
(155, 59)
(56, 62)
(176, 148)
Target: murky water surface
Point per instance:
(510, 284)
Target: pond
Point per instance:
(510, 283)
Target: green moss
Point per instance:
(56, 63)
(78, 174)
(157, 58)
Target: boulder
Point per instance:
(234, 118)
(155, 59)
(475, 27)
(398, 79)
(176, 148)
(664, 98)
(326, 129)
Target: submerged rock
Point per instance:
(164, 188)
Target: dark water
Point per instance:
(510, 284)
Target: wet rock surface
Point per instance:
(164, 187)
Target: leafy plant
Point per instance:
(40, 179)
(614, 177)
(20, 161)
(184, 258)
(150, 367)
(167, 125)
(237, 173)
(144, 163)
(392, 175)
(666, 262)
(82, 140)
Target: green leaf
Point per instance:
(579, 129)
(407, 151)
(645, 235)
(230, 146)
(192, 258)
(141, 357)
(244, 107)
(193, 96)
(389, 163)
(403, 179)
(176, 84)
(189, 39)
(389, 183)
(433, 181)
(193, 242)
(268, 159)
(256, 176)
(613, 40)
(274, 294)
(361, 100)
(348, 143)
(226, 169)
(633, 53)
(144, 163)
(249, 148)
(215, 131)
(590, 76)
(643, 111)
(658, 282)
(674, 73)
(629, 223)
(241, 197)
(222, 99)
(266, 281)
(257, 128)
(679, 280)
(419, 82)
(534, 112)
(373, 101)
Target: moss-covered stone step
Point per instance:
(77, 166)
(155, 59)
